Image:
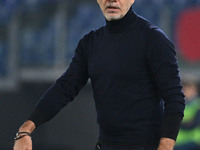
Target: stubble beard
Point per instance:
(112, 17)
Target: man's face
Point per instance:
(115, 9)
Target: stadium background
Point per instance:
(37, 41)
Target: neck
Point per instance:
(120, 24)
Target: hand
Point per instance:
(24, 143)
(166, 144)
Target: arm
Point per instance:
(162, 63)
(64, 90)
(56, 97)
(25, 142)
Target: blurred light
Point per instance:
(188, 34)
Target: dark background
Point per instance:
(72, 129)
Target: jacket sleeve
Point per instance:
(163, 66)
(64, 90)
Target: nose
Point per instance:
(112, 0)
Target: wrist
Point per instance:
(28, 126)
(166, 144)
(20, 135)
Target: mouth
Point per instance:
(112, 8)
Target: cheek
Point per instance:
(102, 5)
(125, 7)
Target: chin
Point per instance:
(113, 17)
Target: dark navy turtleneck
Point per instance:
(132, 68)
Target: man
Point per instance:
(132, 67)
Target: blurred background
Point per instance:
(37, 42)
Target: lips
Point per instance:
(112, 7)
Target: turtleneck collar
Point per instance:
(119, 25)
